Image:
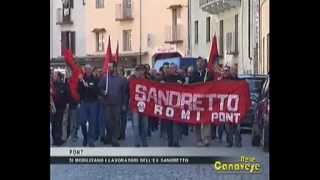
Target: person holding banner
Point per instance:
(232, 130)
(140, 121)
(164, 71)
(113, 90)
(202, 132)
(173, 128)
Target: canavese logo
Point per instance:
(244, 165)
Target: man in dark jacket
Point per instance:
(88, 89)
(124, 111)
(232, 130)
(174, 129)
(112, 87)
(60, 99)
(201, 75)
(139, 120)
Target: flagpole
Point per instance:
(107, 83)
(205, 76)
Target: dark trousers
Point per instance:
(123, 123)
(154, 123)
(100, 125)
(57, 126)
(173, 133)
(88, 113)
(113, 116)
(84, 132)
(233, 134)
(185, 129)
(220, 127)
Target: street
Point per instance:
(171, 172)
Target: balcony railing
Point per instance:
(173, 34)
(64, 16)
(218, 6)
(123, 13)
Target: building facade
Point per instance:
(142, 28)
(264, 52)
(68, 22)
(235, 25)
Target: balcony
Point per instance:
(173, 34)
(218, 6)
(123, 13)
(64, 16)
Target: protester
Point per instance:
(114, 100)
(100, 121)
(232, 130)
(60, 99)
(173, 128)
(74, 121)
(140, 121)
(187, 77)
(147, 71)
(88, 90)
(66, 116)
(124, 111)
(202, 132)
(164, 72)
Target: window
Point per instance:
(127, 3)
(221, 38)
(68, 41)
(99, 4)
(236, 26)
(196, 38)
(100, 41)
(127, 11)
(208, 29)
(127, 40)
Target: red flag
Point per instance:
(107, 58)
(213, 54)
(116, 57)
(76, 71)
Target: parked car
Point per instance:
(256, 83)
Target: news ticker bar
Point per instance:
(141, 151)
(138, 160)
(133, 155)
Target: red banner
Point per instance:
(213, 102)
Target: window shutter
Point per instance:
(73, 42)
(196, 32)
(208, 29)
(268, 52)
(124, 40)
(71, 3)
(102, 40)
(221, 38)
(63, 41)
(236, 34)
